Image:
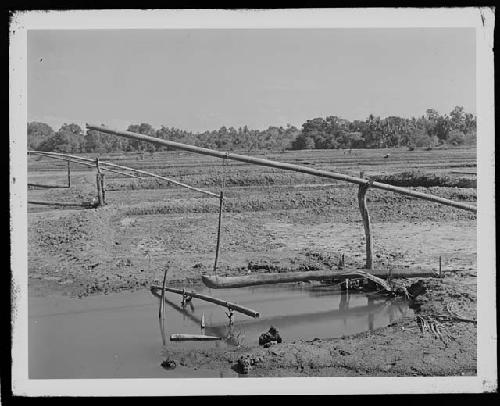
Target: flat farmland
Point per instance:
(273, 220)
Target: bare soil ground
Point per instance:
(273, 221)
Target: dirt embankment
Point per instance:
(123, 247)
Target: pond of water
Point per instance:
(118, 335)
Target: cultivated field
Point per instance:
(273, 220)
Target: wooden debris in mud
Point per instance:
(427, 323)
(458, 317)
(35, 185)
(206, 298)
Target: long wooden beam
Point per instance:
(149, 174)
(284, 166)
(220, 302)
(193, 337)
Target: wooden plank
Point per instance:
(217, 246)
(206, 298)
(193, 337)
(218, 282)
(284, 166)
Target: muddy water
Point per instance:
(117, 336)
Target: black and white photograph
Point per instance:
(217, 202)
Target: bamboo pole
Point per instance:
(162, 309)
(218, 282)
(153, 175)
(366, 224)
(78, 160)
(284, 166)
(206, 298)
(217, 247)
(150, 174)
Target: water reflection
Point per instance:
(298, 318)
(116, 336)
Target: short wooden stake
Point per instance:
(103, 189)
(440, 273)
(100, 198)
(366, 223)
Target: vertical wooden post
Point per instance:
(440, 265)
(99, 183)
(218, 232)
(162, 309)
(103, 189)
(366, 223)
(69, 174)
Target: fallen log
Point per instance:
(47, 186)
(218, 282)
(220, 302)
(193, 337)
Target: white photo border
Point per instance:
(482, 19)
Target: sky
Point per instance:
(203, 79)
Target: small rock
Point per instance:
(270, 336)
(244, 365)
(169, 364)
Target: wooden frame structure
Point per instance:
(364, 184)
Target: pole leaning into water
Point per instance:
(206, 298)
(284, 166)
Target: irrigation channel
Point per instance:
(116, 336)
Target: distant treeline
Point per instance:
(430, 130)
